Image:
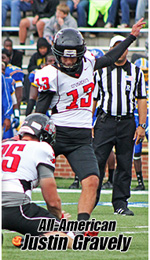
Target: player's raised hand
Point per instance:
(137, 27)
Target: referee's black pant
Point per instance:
(111, 132)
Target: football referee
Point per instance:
(118, 86)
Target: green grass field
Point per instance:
(136, 226)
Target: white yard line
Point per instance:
(102, 192)
(128, 232)
(131, 204)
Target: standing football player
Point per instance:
(68, 87)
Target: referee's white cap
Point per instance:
(117, 38)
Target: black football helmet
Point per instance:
(69, 43)
(39, 125)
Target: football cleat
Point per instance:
(18, 241)
(139, 187)
(107, 185)
(124, 212)
(74, 185)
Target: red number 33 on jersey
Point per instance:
(84, 102)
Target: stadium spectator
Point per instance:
(68, 87)
(96, 7)
(16, 73)
(125, 6)
(142, 63)
(38, 58)
(81, 6)
(62, 19)
(15, 119)
(140, 9)
(16, 7)
(42, 11)
(33, 164)
(119, 84)
(15, 55)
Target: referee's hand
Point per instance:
(137, 27)
(139, 135)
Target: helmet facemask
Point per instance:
(69, 43)
(48, 134)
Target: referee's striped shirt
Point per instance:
(118, 86)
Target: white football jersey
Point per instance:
(19, 162)
(73, 99)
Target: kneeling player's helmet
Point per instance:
(142, 63)
(97, 52)
(39, 125)
(69, 43)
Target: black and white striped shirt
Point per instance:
(118, 86)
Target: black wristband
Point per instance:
(30, 106)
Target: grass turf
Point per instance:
(136, 226)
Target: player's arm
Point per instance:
(49, 190)
(113, 55)
(51, 197)
(142, 107)
(32, 99)
(44, 101)
(142, 111)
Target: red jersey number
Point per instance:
(74, 94)
(84, 102)
(45, 82)
(11, 161)
(88, 89)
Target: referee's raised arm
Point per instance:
(113, 55)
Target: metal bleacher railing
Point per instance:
(83, 30)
